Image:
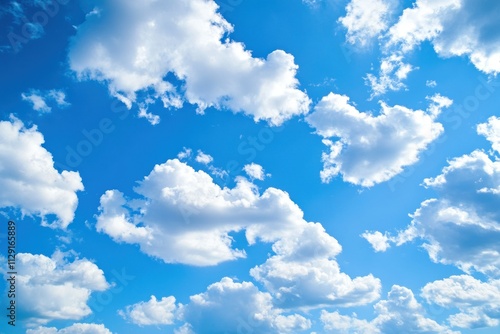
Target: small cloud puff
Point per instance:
(255, 171)
(40, 99)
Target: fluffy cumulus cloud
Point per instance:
(152, 312)
(462, 226)
(133, 47)
(372, 149)
(39, 99)
(453, 27)
(366, 19)
(28, 179)
(304, 273)
(399, 313)
(55, 288)
(478, 302)
(231, 307)
(184, 217)
(225, 307)
(77, 328)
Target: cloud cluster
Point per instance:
(55, 288)
(453, 27)
(372, 149)
(183, 216)
(133, 48)
(399, 313)
(478, 302)
(225, 307)
(229, 306)
(462, 228)
(29, 180)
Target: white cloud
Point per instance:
(203, 158)
(184, 206)
(304, 273)
(133, 47)
(232, 307)
(54, 288)
(255, 171)
(77, 328)
(423, 21)
(462, 226)
(39, 99)
(431, 83)
(393, 71)
(379, 241)
(185, 217)
(477, 301)
(491, 130)
(185, 154)
(372, 149)
(151, 118)
(152, 312)
(28, 179)
(366, 19)
(399, 313)
(453, 27)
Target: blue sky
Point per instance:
(241, 166)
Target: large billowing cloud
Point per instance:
(133, 47)
(372, 149)
(455, 28)
(28, 179)
(232, 307)
(184, 217)
(399, 313)
(225, 307)
(462, 226)
(478, 302)
(304, 273)
(55, 288)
